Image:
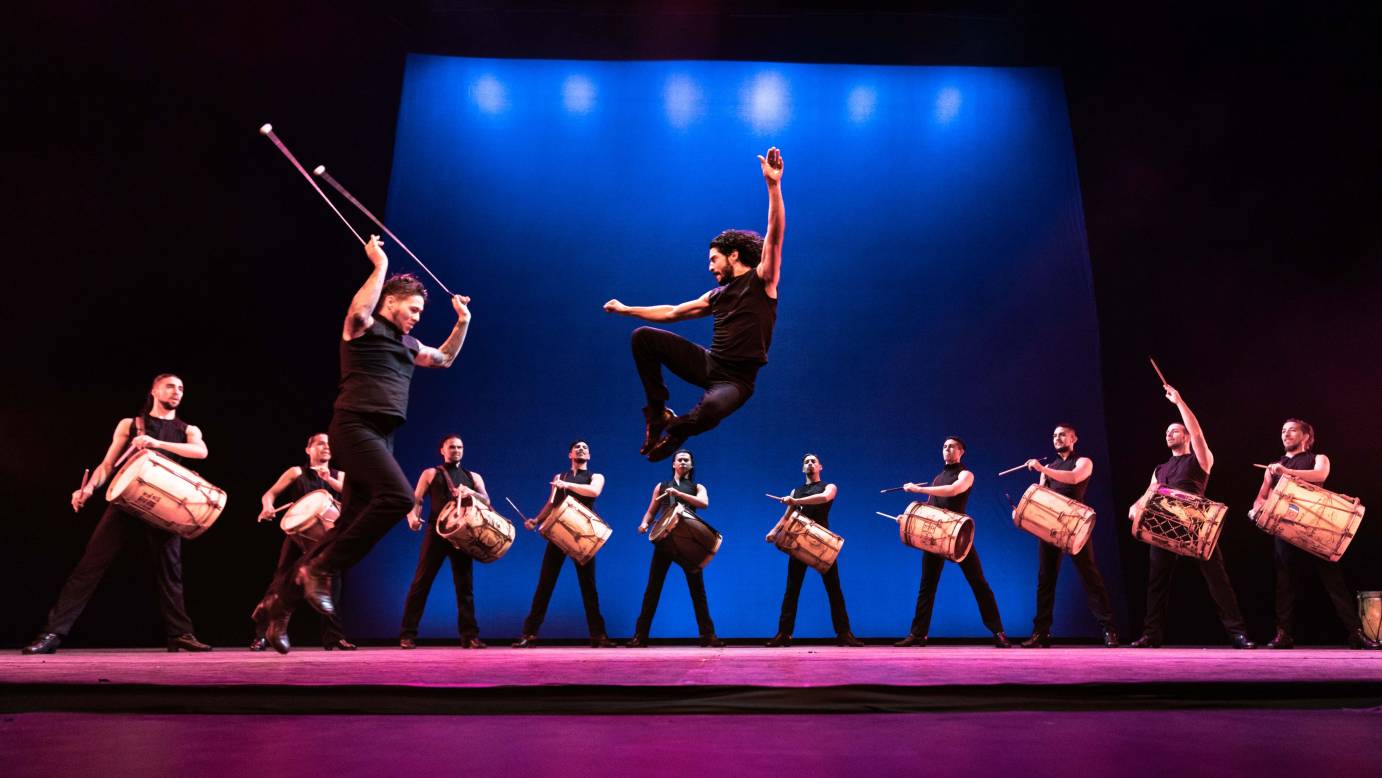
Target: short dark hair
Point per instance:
(574, 442)
(316, 435)
(749, 244)
(445, 438)
(402, 285)
(690, 474)
(959, 440)
(1068, 426)
(1308, 429)
(148, 404)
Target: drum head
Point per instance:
(127, 475)
(964, 540)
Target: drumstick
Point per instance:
(1019, 467)
(1158, 372)
(516, 510)
(321, 173)
(86, 476)
(281, 508)
(771, 497)
(891, 489)
(888, 516)
(1264, 467)
(268, 131)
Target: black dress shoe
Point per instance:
(637, 641)
(47, 643)
(665, 447)
(1241, 641)
(407, 643)
(1146, 641)
(602, 641)
(1110, 638)
(917, 641)
(848, 640)
(654, 422)
(527, 641)
(473, 642)
(187, 642)
(1037, 640)
(277, 632)
(780, 640)
(1360, 642)
(710, 641)
(1282, 640)
(1001, 641)
(316, 588)
(342, 644)
(260, 643)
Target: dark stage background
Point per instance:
(1228, 167)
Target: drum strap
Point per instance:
(451, 485)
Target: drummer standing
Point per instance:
(155, 427)
(813, 499)
(682, 490)
(296, 483)
(444, 483)
(584, 486)
(1067, 476)
(377, 360)
(1188, 471)
(1301, 461)
(950, 490)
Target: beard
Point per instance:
(1062, 449)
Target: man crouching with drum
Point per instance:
(443, 483)
(682, 490)
(301, 536)
(157, 428)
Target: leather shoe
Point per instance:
(1001, 641)
(47, 643)
(848, 640)
(1360, 642)
(654, 422)
(277, 632)
(407, 643)
(710, 641)
(1146, 641)
(602, 641)
(1110, 638)
(316, 588)
(473, 642)
(187, 642)
(342, 644)
(259, 643)
(1241, 641)
(527, 641)
(1037, 640)
(665, 447)
(780, 640)
(637, 641)
(917, 641)
(1282, 639)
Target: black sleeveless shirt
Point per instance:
(946, 477)
(817, 513)
(439, 493)
(579, 477)
(167, 430)
(1183, 472)
(688, 486)
(744, 318)
(1073, 491)
(1305, 460)
(376, 370)
(310, 481)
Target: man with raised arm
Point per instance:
(377, 360)
(744, 306)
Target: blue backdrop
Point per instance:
(935, 281)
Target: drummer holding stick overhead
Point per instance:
(1068, 476)
(155, 427)
(1300, 461)
(1188, 471)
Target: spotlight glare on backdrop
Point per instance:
(578, 94)
(489, 94)
(948, 102)
(861, 102)
(766, 104)
(683, 100)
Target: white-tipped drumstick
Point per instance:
(1019, 467)
(86, 476)
(320, 171)
(773, 497)
(267, 130)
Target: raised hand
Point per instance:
(375, 251)
(1172, 394)
(461, 304)
(772, 165)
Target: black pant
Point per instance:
(1095, 593)
(289, 556)
(695, 583)
(434, 551)
(115, 529)
(552, 561)
(796, 574)
(1161, 564)
(727, 386)
(1288, 560)
(931, 567)
(377, 494)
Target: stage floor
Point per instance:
(570, 680)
